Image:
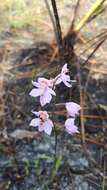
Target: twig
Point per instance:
(52, 20)
(82, 115)
(59, 32)
(96, 106)
(94, 41)
(82, 106)
(92, 53)
(75, 15)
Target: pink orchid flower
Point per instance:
(42, 122)
(71, 128)
(43, 89)
(64, 77)
(72, 108)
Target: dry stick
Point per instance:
(81, 97)
(92, 141)
(102, 35)
(96, 48)
(93, 102)
(100, 43)
(82, 107)
(82, 115)
(53, 21)
(74, 16)
(59, 32)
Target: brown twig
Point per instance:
(96, 48)
(74, 16)
(58, 30)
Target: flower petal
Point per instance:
(46, 98)
(58, 81)
(36, 92)
(44, 80)
(41, 79)
(35, 122)
(36, 113)
(66, 80)
(64, 68)
(71, 128)
(65, 77)
(48, 126)
(67, 84)
(69, 122)
(41, 127)
(72, 108)
(42, 100)
(36, 84)
(51, 91)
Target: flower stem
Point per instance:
(55, 148)
(55, 132)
